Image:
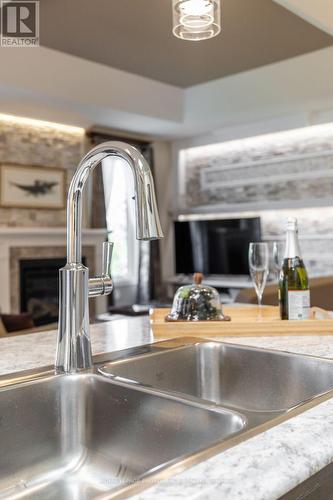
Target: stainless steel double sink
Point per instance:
(143, 414)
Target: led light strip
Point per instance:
(31, 122)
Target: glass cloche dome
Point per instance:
(196, 302)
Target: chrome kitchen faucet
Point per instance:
(75, 287)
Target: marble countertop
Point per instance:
(38, 349)
(261, 468)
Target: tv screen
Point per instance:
(215, 246)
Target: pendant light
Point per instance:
(196, 19)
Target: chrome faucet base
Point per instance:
(74, 347)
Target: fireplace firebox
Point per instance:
(39, 288)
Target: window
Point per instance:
(120, 219)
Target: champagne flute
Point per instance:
(278, 255)
(259, 268)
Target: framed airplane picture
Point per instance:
(32, 186)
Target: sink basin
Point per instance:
(247, 379)
(143, 414)
(82, 436)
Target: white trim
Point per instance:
(222, 209)
(303, 237)
(270, 161)
(269, 179)
(48, 231)
(206, 171)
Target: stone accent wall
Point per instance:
(291, 165)
(44, 146)
(315, 234)
(250, 174)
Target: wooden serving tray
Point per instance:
(244, 323)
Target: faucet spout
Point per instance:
(74, 347)
(148, 223)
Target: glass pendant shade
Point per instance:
(196, 19)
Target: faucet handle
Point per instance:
(102, 285)
(107, 258)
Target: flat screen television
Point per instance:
(214, 246)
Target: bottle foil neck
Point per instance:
(292, 244)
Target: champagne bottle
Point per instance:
(294, 293)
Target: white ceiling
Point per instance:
(78, 92)
(317, 12)
(48, 84)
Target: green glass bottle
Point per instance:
(294, 292)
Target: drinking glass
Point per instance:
(278, 255)
(259, 268)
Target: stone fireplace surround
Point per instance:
(28, 243)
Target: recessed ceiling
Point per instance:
(135, 36)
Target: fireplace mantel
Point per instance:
(41, 237)
(53, 232)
